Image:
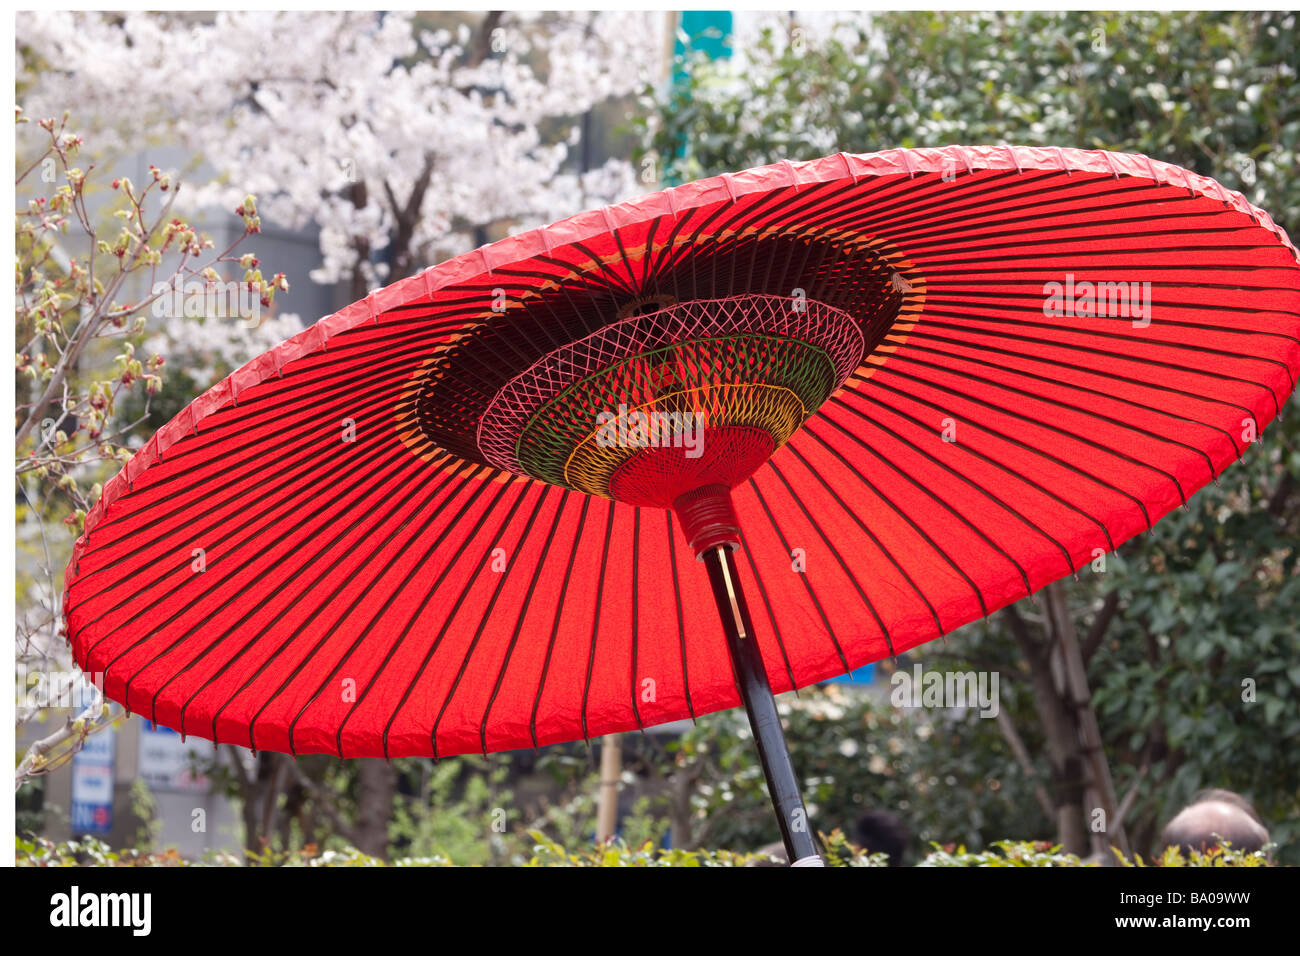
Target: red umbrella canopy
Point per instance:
(458, 515)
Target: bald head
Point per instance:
(1214, 815)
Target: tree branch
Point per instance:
(483, 41)
(34, 762)
(323, 799)
(1030, 647)
(1126, 804)
(1100, 624)
(1009, 733)
(1281, 494)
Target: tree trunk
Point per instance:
(376, 784)
(258, 796)
(1081, 776)
(1078, 694)
(1063, 752)
(683, 786)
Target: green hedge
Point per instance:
(88, 851)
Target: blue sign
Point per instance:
(862, 676)
(92, 783)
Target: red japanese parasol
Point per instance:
(883, 395)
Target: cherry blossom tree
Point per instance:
(397, 139)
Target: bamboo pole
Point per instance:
(611, 769)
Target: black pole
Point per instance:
(760, 705)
